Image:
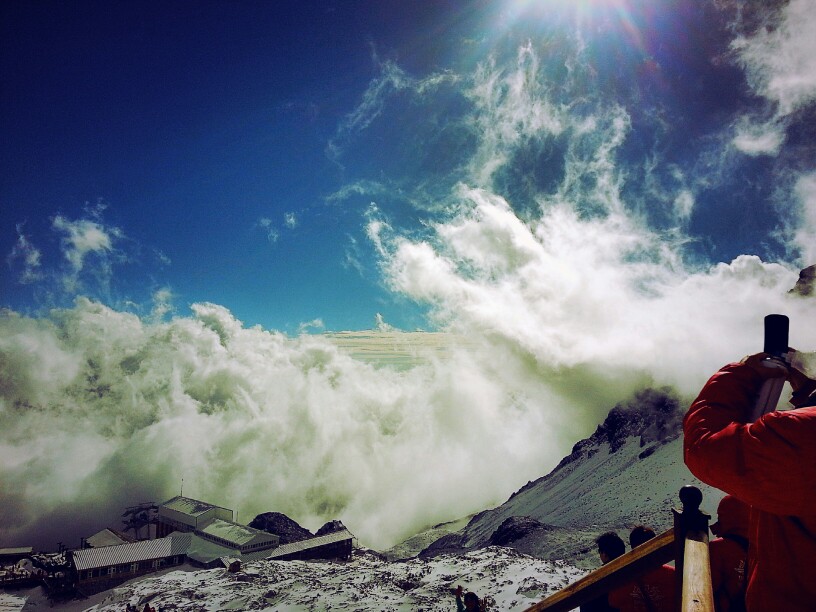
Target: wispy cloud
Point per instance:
(758, 138)
(780, 57)
(390, 80)
(272, 230)
(804, 229)
(780, 63)
(162, 304)
(268, 226)
(81, 239)
(29, 257)
(511, 105)
(313, 325)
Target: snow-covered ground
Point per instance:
(11, 602)
(366, 583)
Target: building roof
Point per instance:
(106, 537)
(294, 547)
(20, 550)
(204, 551)
(233, 532)
(145, 550)
(189, 506)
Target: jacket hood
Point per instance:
(732, 517)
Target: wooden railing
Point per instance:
(686, 543)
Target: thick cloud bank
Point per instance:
(99, 409)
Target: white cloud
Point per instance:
(363, 187)
(290, 222)
(603, 293)
(684, 205)
(314, 324)
(29, 255)
(353, 256)
(804, 233)
(268, 226)
(780, 64)
(162, 304)
(759, 138)
(82, 238)
(510, 106)
(780, 59)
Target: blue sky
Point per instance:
(192, 123)
(230, 151)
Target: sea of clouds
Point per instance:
(564, 306)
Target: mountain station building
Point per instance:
(197, 532)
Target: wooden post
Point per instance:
(692, 565)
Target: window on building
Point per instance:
(111, 571)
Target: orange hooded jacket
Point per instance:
(770, 465)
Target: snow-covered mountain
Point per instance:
(628, 472)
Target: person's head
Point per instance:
(610, 546)
(471, 601)
(732, 518)
(640, 534)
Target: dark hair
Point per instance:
(640, 534)
(471, 596)
(611, 544)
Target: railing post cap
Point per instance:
(691, 497)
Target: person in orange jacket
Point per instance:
(769, 464)
(729, 554)
(651, 592)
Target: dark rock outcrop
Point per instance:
(806, 285)
(330, 527)
(282, 526)
(515, 528)
(450, 543)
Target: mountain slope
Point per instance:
(628, 472)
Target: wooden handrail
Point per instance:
(617, 572)
(686, 543)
